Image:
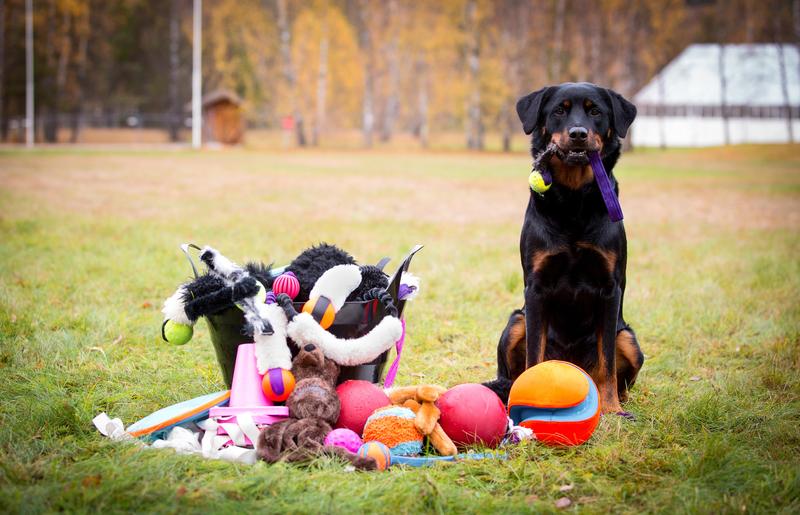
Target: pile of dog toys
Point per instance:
(287, 401)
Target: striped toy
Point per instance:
(394, 426)
(377, 451)
(558, 401)
(286, 283)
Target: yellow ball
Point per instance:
(175, 332)
(536, 182)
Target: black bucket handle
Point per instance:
(394, 281)
(185, 249)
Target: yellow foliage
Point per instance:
(345, 77)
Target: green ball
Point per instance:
(536, 181)
(175, 333)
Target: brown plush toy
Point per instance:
(421, 400)
(313, 409)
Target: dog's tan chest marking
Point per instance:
(542, 260)
(609, 257)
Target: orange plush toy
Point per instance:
(421, 400)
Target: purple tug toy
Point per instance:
(541, 179)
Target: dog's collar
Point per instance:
(610, 199)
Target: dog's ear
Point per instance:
(622, 113)
(529, 108)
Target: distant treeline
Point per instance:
(382, 66)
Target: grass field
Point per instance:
(88, 250)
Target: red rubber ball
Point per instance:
(472, 414)
(358, 400)
(286, 283)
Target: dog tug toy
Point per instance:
(606, 189)
(266, 322)
(540, 178)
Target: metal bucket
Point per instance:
(355, 319)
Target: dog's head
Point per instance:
(578, 118)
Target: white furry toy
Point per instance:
(303, 329)
(327, 297)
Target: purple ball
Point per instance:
(344, 438)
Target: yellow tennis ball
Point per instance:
(176, 333)
(536, 182)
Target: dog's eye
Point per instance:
(594, 111)
(560, 111)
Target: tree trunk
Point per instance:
(322, 82)
(421, 71)
(173, 124)
(785, 90)
(3, 124)
(368, 101)
(288, 70)
(631, 77)
(393, 58)
(83, 58)
(474, 125)
(558, 41)
(723, 93)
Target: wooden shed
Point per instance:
(222, 118)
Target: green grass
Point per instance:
(88, 250)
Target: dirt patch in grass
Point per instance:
(357, 186)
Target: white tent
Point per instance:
(716, 94)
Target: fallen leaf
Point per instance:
(566, 488)
(146, 305)
(181, 491)
(532, 498)
(90, 481)
(564, 502)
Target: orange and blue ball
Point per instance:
(377, 451)
(558, 401)
(278, 384)
(394, 426)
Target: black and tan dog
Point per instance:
(573, 255)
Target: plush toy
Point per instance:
(267, 320)
(358, 400)
(227, 283)
(313, 409)
(330, 292)
(472, 414)
(304, 328)
(422, 401)
(394, 427)
(309, 266)
(557, 400)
